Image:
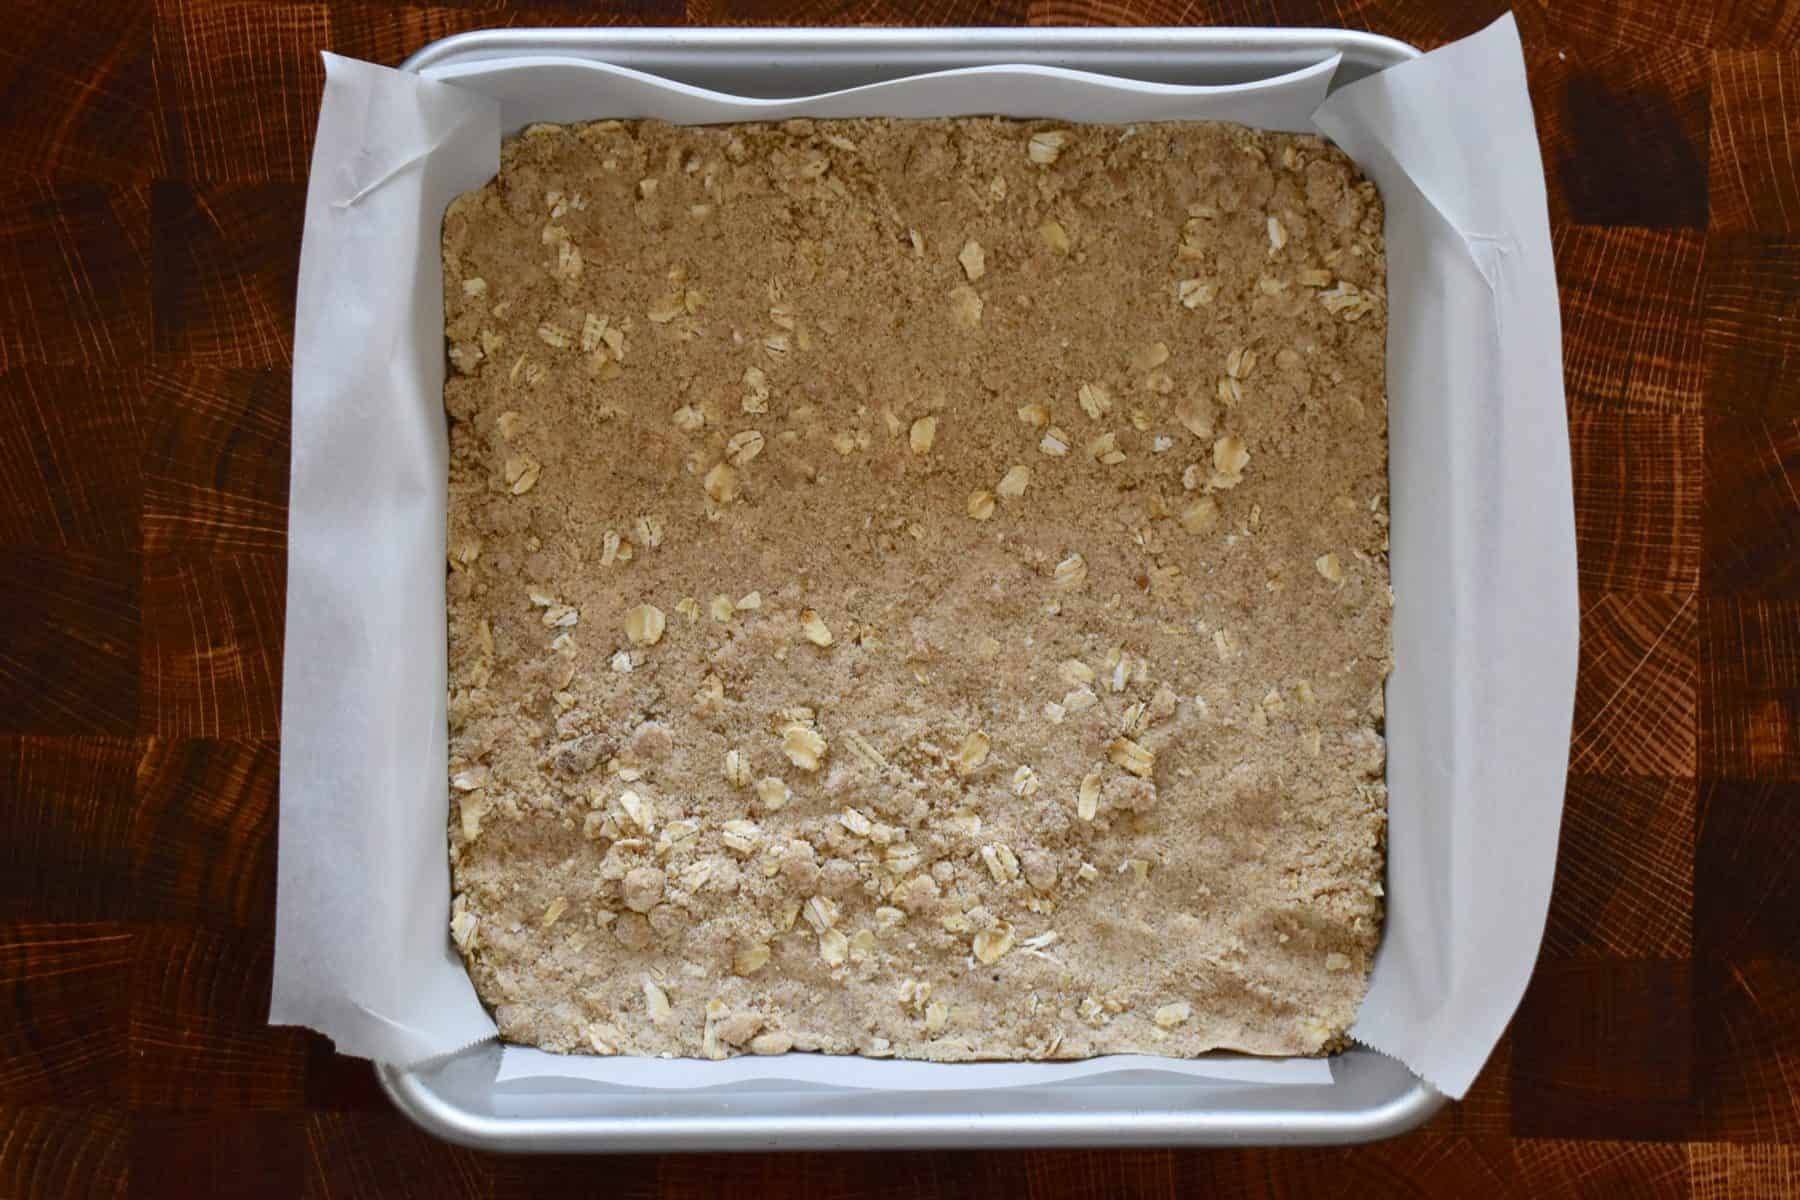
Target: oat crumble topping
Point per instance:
(917, 589)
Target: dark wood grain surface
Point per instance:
(152, 168)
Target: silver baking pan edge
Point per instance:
(1371, 1096)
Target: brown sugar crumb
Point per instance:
(917, 589)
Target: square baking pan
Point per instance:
(1370, 1095)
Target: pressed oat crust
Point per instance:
(917, 588)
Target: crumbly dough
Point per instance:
(917, 588)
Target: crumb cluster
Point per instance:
(917, 588)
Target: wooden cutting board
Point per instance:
(154, 161)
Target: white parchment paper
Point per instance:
(1479, 706)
